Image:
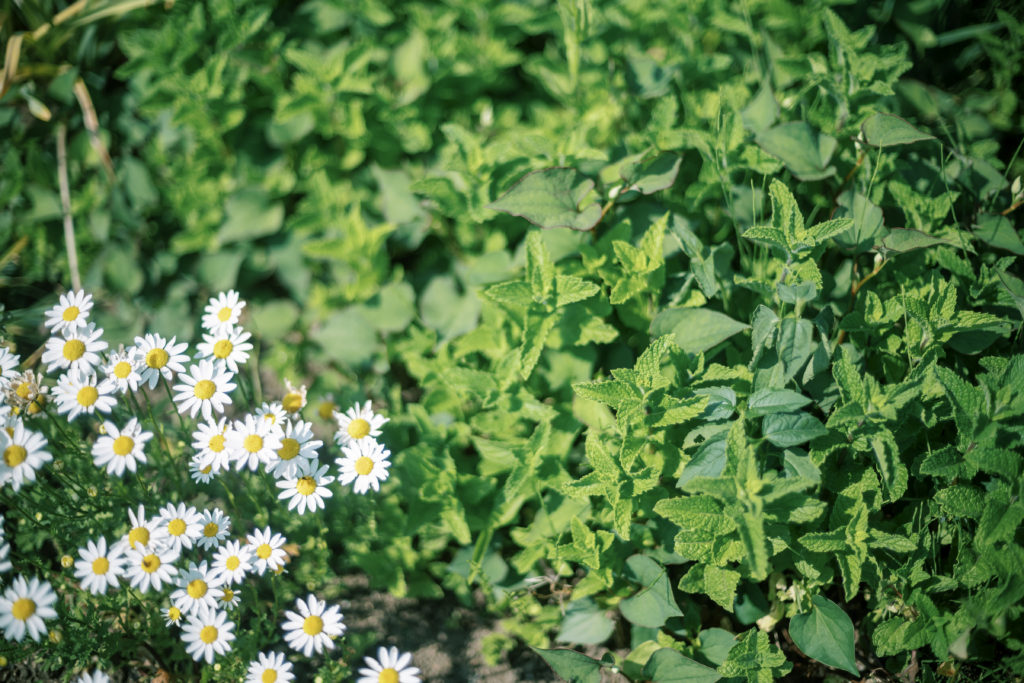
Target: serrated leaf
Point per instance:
(550, 198)
(611, 392)
(540, 270)
(695, 513)
(668, 666)
(805, 151)
(720, 585)
(791, 429)
(696, 329)
(654, 604)
(767, 234)
(648, 365)
(538, 327)
(573, 666)
(826, 634)
(755, 659)
(961, 501)
(885, 130)
(818, 233)
(516, 293)
(766, 401)
(824, 541)
(569, 289)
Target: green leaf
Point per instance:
(550, 198)
(762, 111)
(515, 293)
(696, 329)
(573, 666)
(755, 659)
(612, 392)
(826, 634)
(538, 327)
(805, 151)
(791, 429)
(907, 239)
(654, 604)
(767, 401)
(347, 337)
(709, 461)
(884, 130)
(652, 175)
(250, 214)
(585, 623)
(999, 232)
(668, 666)
(720, 585)
(570, 289)
(961, 501)
(540, 270)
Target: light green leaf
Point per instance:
(550, 198)
(570, 289)
(696, 329)
(585, 623)
(250, 214)
(709, 461)
(516, 293)
(653, 174)
(805, 151)
(907, 239)
(668, 666)
(762, 111)
(613, 392)
(720, 585)
(791, 429)
(766, 401)
(540, 270)
(654, 603)
(574, 667)
(826, 634)
(884, 130)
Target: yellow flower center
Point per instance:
(225, 314)
(217, 443)
(264, 550)
(23, 608)
(207, 469)
(74, 349)
(388, 675)
(211, 529)
(326, 410)
(123, 445)
(289, 448)
(36, 406)
(24, 390)
(14, 455)
(305, 485)
(364, 465)
(269, 676)
(157, 358)
(233, 563)
(208, 634)
(122, 369)
(313, 625)
(292, 402)
(139, 534)
(174, 613)
(358, 428)
(66, 561)
(150, 563)
(100, 566)
(228, 595)
(222, 349)
(87, 396)
(253, 443)
(196, 588)
(70, 313)
(204, 389)
(176, 527)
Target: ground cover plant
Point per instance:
(698, 327)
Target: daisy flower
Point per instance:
(151, 567)
(273, 413)
(232, 561)
(160, 357)
(224, 310)
(182, 524)
(253, 441)
(210, 442)
(358, 423)
(79, 392)
(294, 399)
(172, 615)
(366, 463)
(24, 390)
(24, 606)
(22, 453)
(227, 597)
(268, 549)
(215, 528)
(71, 312)
(122, 370)
(270, 667)
(98, 569)
(391, 666)
(121, 449)
(205, 388)
(312, 626)
(74, 350)
(208, 633)
(96, 676)
(199, 473)
(228, 347)
(307, 489)
(297, 444)
(8, 362)
(326, 407)
(194, 590)
(143, 532)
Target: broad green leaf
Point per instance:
(550, 198)
(653, 174)
(999, 232)
(696, 329)
(907, 239)
(516, 293)
(762, 111)
(668, 666)
(250, 214)
(819, 232)
(612, 392)
(654, 603)
(791, 429)
(766, 401)
(585, 623)
(755, 659)
(347, 337)
(961, 501)
(767, 234)
(884, 130)
(868, 225)
(826, 634)
(573, 666)
(795, 344)
(720, 585)
(648, 365)
(709, 461)
(805, 151)
(715, 644)
(274, 319)
(570, 289)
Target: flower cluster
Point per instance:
(182, 557)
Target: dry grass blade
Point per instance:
(11, 57)
(92, 124)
